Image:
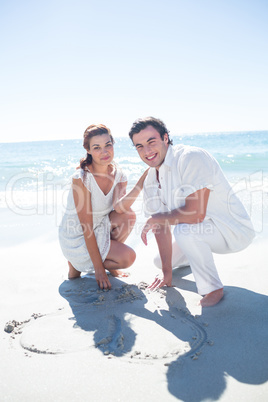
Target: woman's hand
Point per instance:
(102, 279)
(121, 201)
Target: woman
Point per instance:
(97, 220)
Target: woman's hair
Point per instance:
(141, 124)
(92, 131)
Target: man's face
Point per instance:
(150, 146)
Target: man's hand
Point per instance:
(161, 280)
(102, 279)
(149, 225)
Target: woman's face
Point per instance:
(101, 149)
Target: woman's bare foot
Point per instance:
(212, 298)
(73, 273)
(118, 273)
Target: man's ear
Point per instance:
(166, 138)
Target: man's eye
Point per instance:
(108, 145)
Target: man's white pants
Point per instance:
(194, 246)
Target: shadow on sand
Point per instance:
(238, 331)
(227, 339)
(122, 318)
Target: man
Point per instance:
(186, 188)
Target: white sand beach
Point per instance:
(69, 341)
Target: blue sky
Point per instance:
(199, 65)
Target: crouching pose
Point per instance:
(92, 232)
(186, 187)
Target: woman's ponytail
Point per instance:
(87, 160)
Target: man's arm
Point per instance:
(194, 211)
(164, 241)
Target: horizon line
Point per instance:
(172, 135)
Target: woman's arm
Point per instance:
(119, 192)
(82, 200)
(123, 203)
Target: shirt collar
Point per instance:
(169, 157)
(167, 162)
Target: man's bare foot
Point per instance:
(212, 298)
(73, 273)
(118, 273)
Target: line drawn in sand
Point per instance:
(126, 322)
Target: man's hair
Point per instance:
(141, 124)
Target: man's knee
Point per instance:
(183, 233)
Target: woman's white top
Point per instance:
(71, 235)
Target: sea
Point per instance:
(34, 176)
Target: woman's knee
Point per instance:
(130, 217)
(129, 257)
(123, 255)
(126, 218)
(132, 257)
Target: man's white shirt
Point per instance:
(186, 170)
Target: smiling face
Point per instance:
(101, 149)
(150, 146)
